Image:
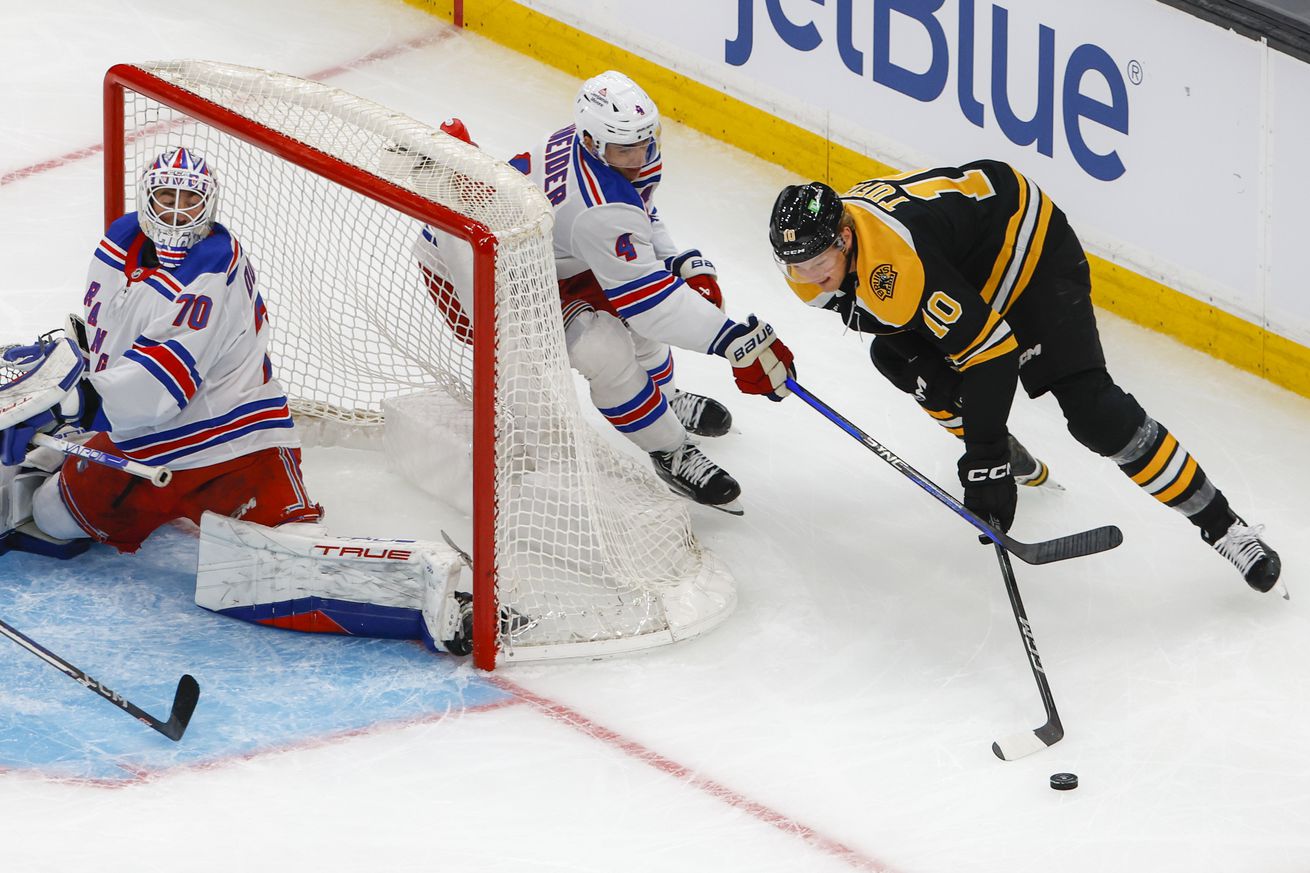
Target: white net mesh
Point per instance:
(589, 546)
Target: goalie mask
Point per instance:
(176, 202)
(621, 119)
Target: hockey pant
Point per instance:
(628, 375)
(109, 506)
(1060, 352)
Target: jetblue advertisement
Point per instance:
(1156, 132)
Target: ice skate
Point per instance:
(703, 416)
(691, 474)
(1028, 470)
(1258, 564)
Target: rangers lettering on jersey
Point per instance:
(181, 354)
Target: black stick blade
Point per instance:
(184, 704)
(1088, 542)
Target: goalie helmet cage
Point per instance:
(327, 192)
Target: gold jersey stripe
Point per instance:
(996, 351)
(1003, 257)
(1034, 250)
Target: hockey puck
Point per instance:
(1064, 781)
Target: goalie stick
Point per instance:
(184, 699)
(1077, 545)
(1025, 743)
(158, 476)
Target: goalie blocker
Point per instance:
(295, 578)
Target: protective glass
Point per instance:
(633, 155)
(823, 265)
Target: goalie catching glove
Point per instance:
(697, 271)
(48, 394)
(761, 364)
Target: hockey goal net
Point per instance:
(571, 533)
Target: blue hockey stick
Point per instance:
(1077, 545)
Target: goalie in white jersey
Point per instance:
(177, 374)
(627, 291)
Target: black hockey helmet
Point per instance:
(805, 222)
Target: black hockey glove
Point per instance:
(915, 366)
(989, 489)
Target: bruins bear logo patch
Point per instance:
(883, 281)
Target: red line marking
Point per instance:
(139, 775)
(370, 58)
(718, 791)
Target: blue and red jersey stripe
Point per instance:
(640, 412)
(169, 445)
(171, 364)
(635, 297)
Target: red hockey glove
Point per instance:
(707, 287)
(698, 272)
(761, 363)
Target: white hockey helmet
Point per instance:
(177, 199)
(615, 111)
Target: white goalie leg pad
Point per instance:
(21, 493)
(16, 490)
(356, 585)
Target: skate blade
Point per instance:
(733, 507)
(1040, 479)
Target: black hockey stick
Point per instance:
(1088, 542)
(1027, 742)
(184, 701)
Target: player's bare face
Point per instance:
(826, 269)
(177, 206)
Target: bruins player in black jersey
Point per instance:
(971, 280)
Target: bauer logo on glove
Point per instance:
(761, 363)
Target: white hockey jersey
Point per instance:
(179, 356)
(608, 225)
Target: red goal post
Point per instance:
(568, 531)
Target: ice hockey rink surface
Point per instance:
(841, 719)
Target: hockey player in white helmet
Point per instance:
(628, 292)
(176, 374)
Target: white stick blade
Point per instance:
(1017, 746)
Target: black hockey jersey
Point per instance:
(946, 252)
